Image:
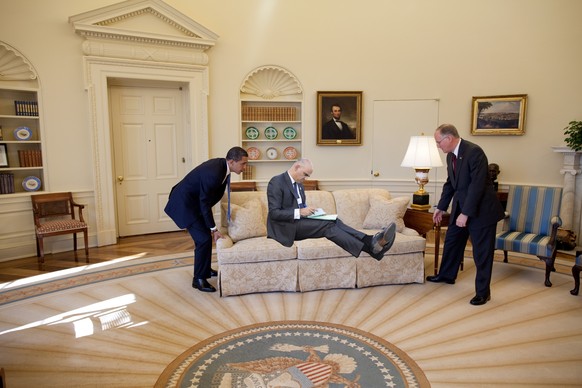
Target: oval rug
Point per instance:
(293, 354)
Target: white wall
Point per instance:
(397, 49)
(389, 49)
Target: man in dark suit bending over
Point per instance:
(475, 211)
(287, 220)
(190, 206)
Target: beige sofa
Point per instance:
(249, 262)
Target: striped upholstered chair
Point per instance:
(532, 223)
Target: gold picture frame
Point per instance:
(348, 131)
(499, 115)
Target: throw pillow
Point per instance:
(246, 221)
(384, 211)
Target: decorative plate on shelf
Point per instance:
(290, 153)
(254, 153)
(252, 133)
(290, 133)
(31, 183)
(271, 133)
(272, 153)
(22, 133)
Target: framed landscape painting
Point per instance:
(499, 115)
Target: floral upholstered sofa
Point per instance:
(249, 262)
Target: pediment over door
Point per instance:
(148, 30)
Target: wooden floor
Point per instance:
(152, 245)
(149, 245)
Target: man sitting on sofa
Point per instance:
(287, 220)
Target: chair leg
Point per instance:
(40, 247)
(505, 256)
(549, 269)
(576, 274)
(75, 242)
(86, 239)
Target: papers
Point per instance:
(321, 215)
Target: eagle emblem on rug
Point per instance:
(271, 372)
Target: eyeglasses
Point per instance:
(442, 138)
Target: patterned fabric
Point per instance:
(532, 210)
(237, 279)
(59, 225)
(384, 211)
(399, 268)
(252, 250)
(353, 205)
(328, 273)
(246, 221)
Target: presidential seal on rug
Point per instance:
(293, 354)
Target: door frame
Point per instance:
(99, 72)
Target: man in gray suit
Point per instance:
(287, 220)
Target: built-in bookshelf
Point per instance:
(271, 125)
(21, 159)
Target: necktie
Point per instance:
(454, 161)
(228, 195)
(296, 188)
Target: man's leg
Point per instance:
(202, 256)
(483, 240)
(453, 252)
(341, 234)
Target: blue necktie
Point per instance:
(228, 190)
(296, 188)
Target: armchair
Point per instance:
(531, 224)
(54, 214)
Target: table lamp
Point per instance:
(422, 154)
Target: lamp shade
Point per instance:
(422, 152)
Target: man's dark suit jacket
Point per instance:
(470, 188)
(282, 199)
(330, 130)
(193, 197)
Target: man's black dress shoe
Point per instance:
(479, 300)
(439, 279)
(213, 272)
(203, 285)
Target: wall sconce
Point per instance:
(422, 154)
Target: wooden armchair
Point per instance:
(532, 224)
(54, 214)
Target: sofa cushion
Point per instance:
(352, 204)
(319, 248)
(254, 250)
(384, 211)
(246, 221)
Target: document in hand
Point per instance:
(321, 215)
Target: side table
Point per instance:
(421, 221)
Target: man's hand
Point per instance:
(462, 220)
(437, 216)
(306, 211)
(216, 235)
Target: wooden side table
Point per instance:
(421, 221)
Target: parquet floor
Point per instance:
(147, 245)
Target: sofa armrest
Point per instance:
(409, 232)
(225, 242)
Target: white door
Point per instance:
(148, 144)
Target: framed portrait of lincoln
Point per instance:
(339, 118)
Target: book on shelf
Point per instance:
(26, 108)
(30, 158)
(6, 183)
